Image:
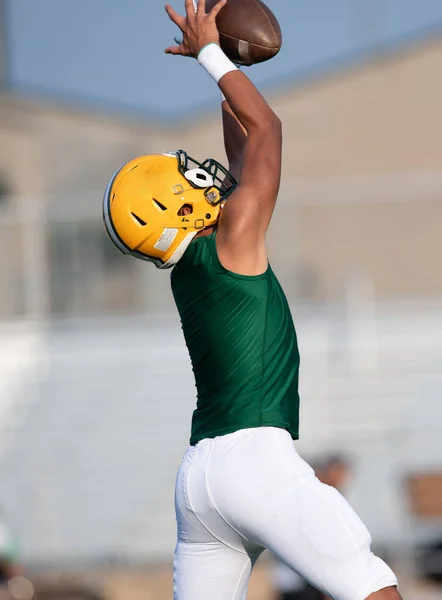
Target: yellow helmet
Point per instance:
(143, 200)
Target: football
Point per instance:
(249, 31)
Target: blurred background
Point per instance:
(96, 389)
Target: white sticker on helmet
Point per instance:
(166, 240)
(199, 177)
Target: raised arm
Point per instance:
(247, 213)
(235, 137)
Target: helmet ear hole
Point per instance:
(186, 209)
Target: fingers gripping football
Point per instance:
(198, 27)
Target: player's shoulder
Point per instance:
(199, 253)
(202, 247)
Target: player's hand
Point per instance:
(198, 28)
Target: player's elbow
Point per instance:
(270, 131)
(276, 122)
(270, 122)
(263, 120)
(277, 127)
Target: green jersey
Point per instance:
(242, 343)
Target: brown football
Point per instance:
(249, 31)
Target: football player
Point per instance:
(241, 487)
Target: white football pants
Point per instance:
(241, 493)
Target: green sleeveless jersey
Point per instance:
(242, 343)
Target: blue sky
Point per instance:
(110, 52)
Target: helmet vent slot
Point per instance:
(159, 204)
(139, 219)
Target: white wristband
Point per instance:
(216, 63)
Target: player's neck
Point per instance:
(206, 231)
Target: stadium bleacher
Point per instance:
(102, 418)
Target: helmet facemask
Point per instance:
(221, 180)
